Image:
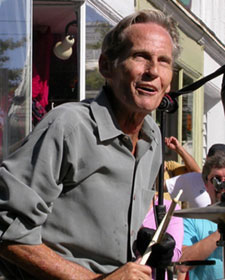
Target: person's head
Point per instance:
(216, 148)
(214, 167)
(137, 59)
(116, 39)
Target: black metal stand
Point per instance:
(161, 208)
(221, 242)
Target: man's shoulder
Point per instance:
(202, 224)
(70, 112)
(66, 118)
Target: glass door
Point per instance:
(15, 72)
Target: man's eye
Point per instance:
(165, 60)
(139, 55)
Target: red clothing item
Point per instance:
(43, 44)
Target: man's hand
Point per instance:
(162, 252)
(130, 271)
(173, 144)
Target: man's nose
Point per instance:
(152, 69)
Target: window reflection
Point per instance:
(14, 73)
(96, 28)
(54, 80)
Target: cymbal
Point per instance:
(214, 213)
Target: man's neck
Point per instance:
(131, 125)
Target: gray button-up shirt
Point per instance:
(75, 185)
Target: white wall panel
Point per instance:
(211, 12)
(124, 7)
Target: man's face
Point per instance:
(220, 175)
(143, 72)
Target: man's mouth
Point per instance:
(147, 90)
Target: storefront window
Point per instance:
(15, 61)
(96, 28)
(55, 59)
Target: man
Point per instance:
(200, 235)
(192, 184)
(75, 194)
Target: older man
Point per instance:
(75, 194)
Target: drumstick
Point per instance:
(161, 228)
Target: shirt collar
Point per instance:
(148, 130)
(108, 127)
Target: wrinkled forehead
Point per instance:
(146, 35)
(145, 30)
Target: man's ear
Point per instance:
(168, 89)
(207, 186)
(105, 66)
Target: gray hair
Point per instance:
(115, 40)
(215, 161)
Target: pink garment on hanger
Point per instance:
(42, 49)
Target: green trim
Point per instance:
(192, 62)
(180, 102)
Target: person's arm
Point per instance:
(190, 163)
(199, 251)
(43, 263)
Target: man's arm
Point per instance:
(190, 163)
(43, 263)
(181, 275)
(199, 251)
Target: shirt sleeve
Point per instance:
(190, 236)
(193, 189)
(30, 181)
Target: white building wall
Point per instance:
(211, 12)
(123, 7)
(214, 120)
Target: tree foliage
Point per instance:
(94, 80)
(101, 28)
(10, 44)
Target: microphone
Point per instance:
(168, 104)
(63, 49)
